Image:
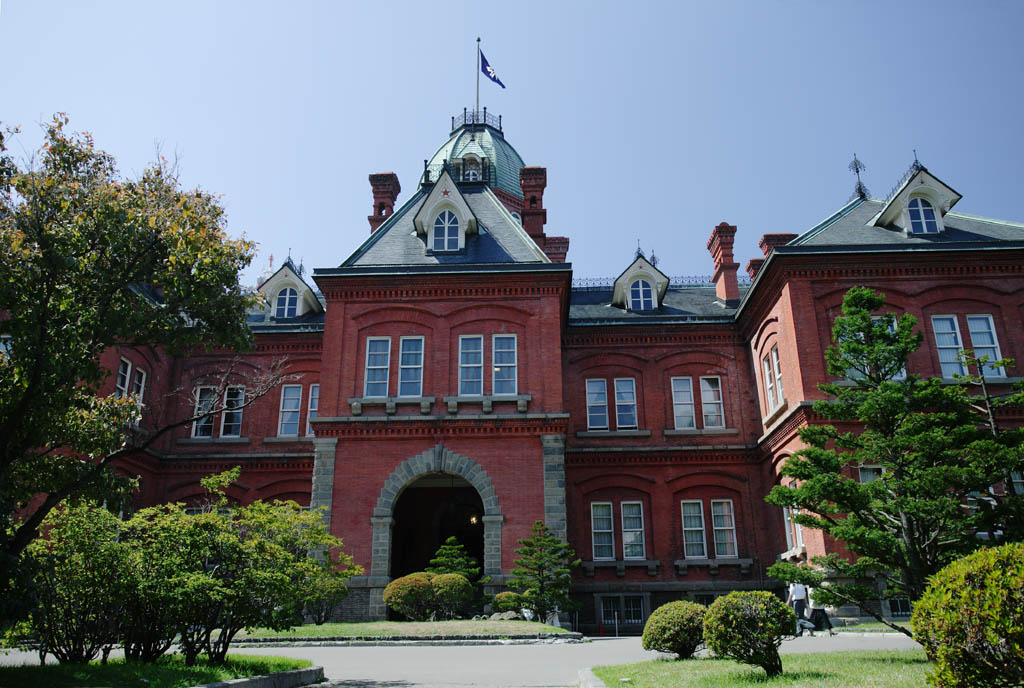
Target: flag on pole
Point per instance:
(488, 71)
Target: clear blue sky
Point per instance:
(656, 120)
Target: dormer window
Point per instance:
(641, 296)
(287, 303)
(446, 232)
(471, 170)
(922, 217)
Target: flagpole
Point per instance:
(477, 78)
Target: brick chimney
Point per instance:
(385, 192)
(770, 241)
(720, 245)
(754, 266)
(533, 181)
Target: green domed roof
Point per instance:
(483, 141)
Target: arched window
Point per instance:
(287, 303)
(517, 218)
(641, 296)
(446, 232)
(922, 217)
(472, 170)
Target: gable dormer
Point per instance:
(918, 205)
(444, 219)
(287, 295)
(641, 287)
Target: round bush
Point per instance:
(970, 620)
(451, 593)
(508, 601)
(749, 627)
(675, 627)
(411, 596)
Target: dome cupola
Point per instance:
(476, 151)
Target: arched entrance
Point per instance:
(431, 509)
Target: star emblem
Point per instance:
(445, 192)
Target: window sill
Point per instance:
(288, 440)
(390, 404)
(775, 414)
(620, 566)
(701, 431)
(683, 565)
(585, 434)
(797, 553)
(487, 402)
(213, 440)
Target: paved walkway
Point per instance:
(532, 666)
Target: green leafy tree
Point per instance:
(91, 260)
(935, 450)
(451, 557)
(543, 572)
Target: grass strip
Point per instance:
(384, 629)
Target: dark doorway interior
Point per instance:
(428, 512)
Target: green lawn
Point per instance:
(861, 669)
(419, 628)
(872, 627)
(169, 672)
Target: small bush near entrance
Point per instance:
(452, 592)
(676, 627)
(749, 627)
(508, 601)
(970, 620)
(411, 596)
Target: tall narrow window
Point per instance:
(794, 532)
(869, 473)
(984, 342)
(711, 401)
(314, 407)
(287, 303)
(682, 403)
(633, 530)
(139, 385)
(601, 530)
(625, 403)
(124, 371)
(504, 353)
(772, 379)
(378, 359)
(694, 543)
(1017, 477)
(641, 296)
(597, 405)
(291, 402)
(446, 232)
(724, 526)
(947, 341)
(206, 397)
(410, 367)
(231, 418)
(471, 365)
(922, 217)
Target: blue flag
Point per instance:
(488, 71)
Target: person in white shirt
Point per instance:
(818, 615)
(798, 599)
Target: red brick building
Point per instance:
(454, 380)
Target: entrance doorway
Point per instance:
(430, 510)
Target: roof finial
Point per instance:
(859, 191)
(639, 251)
(917, 163)
(654, 259)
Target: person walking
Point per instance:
(797, 598)
(819, 617)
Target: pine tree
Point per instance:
(451, 558)
(542, 573)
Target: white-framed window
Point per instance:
(772, 372)
(287, 303)
(291, 402)
(124, 374)
(794, 532)
(517, 217)
(922, 217)
(206, 398)
(949, 344)
(869, 473)
(446, 232)
(625, 403)
(623, 609)
(139, 385)
(984, 342)
(641, 296)
(711, 402)
(602, 530)
(505, 364)
(471, 365)
(471, 169)
(633, 530)
(694, 542)
(231, 417)
(597, 404)
(410, 367)
(314, 407)
(1017, 477)
(682, 403)
(723, 523)
(378, 361)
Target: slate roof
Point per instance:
(593, 306)
(485, 142)
(500, 239)
(308, 322)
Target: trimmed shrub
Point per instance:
(508, 601)
(675, 627)
(452, 592)
(749, 627)
(411, 596)
(970, 620)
